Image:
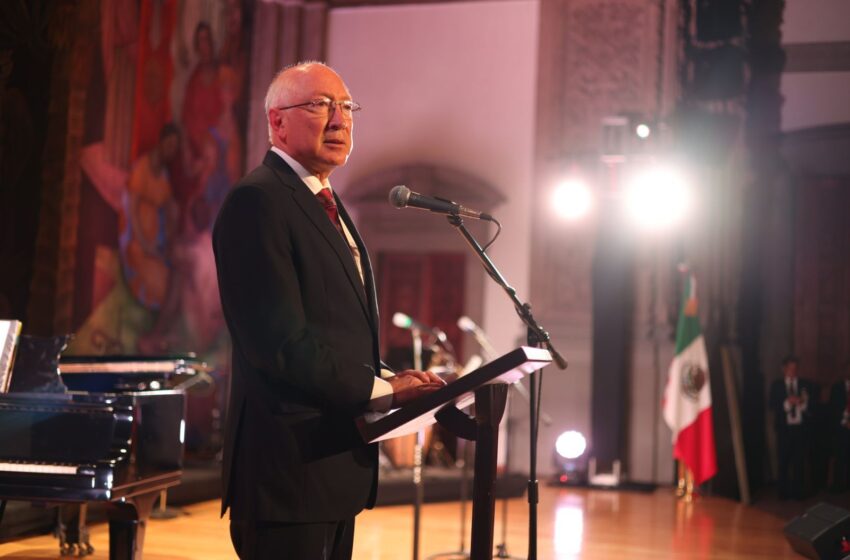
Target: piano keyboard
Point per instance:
(38, 468)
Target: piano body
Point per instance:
(117, 446)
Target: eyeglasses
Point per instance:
(323, 107)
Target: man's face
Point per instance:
(790, 369)
(319, 143)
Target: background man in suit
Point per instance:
(839, 409)
(791, 404)
(299, 299)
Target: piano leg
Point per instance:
(127, 523)
(72, 531)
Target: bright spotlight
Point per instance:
(569, 458)
(570, 445)
(658, 197)
(572, 199)
(643, 131)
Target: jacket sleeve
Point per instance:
(261, 298)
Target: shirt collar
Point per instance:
(313, 183)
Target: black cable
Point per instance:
(498, 231)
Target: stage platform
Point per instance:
(574, 524)
(201, 482)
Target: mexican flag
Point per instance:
(687, 397)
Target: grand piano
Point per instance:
(120, 444)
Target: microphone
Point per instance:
(401, 197)
(466, 324)
(407, 322)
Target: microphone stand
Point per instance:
(419, 489)
(536, 337)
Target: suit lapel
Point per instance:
(311, 207)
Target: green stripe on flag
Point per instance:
(687, 330)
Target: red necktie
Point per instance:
(328, 202)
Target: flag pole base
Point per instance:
(685, 485)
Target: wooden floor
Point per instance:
(585, 524)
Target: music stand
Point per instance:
(487, 387)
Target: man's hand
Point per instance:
(410, 384)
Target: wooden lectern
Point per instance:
(487, 387)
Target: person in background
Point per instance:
(791, 402)
(839, 413)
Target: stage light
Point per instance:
(571, 445)
(569, 458)
(657, 197)
(643, 131)
(572, 199)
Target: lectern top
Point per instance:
(420, 413)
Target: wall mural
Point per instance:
(163, 143)
(163, 129)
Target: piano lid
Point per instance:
(175, 364)
(132, 372)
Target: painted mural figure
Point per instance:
(202, 104)
(154, 73)
(150, 222)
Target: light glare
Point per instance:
(658, 197)
(572, 199)
(569, 529)
(643, 130)
(570, 444)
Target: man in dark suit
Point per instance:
(839, 409)
(791, 401)
(299, 299)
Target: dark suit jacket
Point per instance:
(305, 354)
(778, 394)
(837, 403)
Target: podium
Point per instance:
(487, 388)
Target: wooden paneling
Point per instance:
(822, 278)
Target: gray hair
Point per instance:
(279, 87)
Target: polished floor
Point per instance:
(574, 524)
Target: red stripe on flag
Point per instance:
(695, 447)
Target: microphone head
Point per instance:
(399, 196)
(401, 320)
(466, 324)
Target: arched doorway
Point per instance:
(423, 268)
